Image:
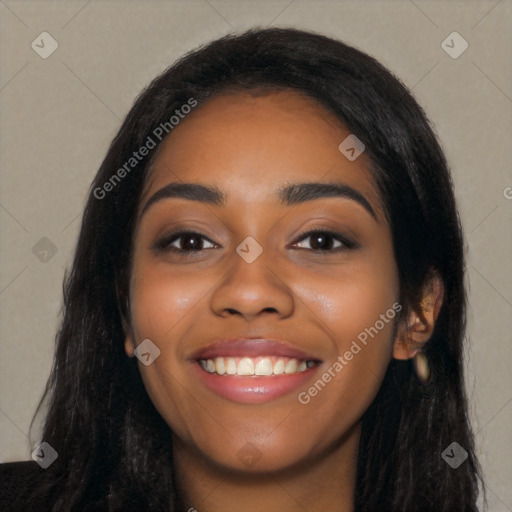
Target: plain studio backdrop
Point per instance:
(69, 73)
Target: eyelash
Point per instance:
(347, 244)
(163, 244)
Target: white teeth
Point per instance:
(231, 366)
(264, 367)
(279, 367)
(219, 365)
(255, 366)
(245, 367)
(291, 366)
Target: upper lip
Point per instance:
(251, 347)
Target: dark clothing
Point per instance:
(16, 481)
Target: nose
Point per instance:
(252, 290)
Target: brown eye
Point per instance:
(184, 242)
(325, 241)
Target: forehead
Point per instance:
(249, 145)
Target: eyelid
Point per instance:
(163, 241)
(347, 242)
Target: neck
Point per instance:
(324, 483)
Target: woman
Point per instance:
(266, 307)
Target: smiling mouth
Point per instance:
(256, 366)
(253, 371)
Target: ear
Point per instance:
(129, 345)
(415, 330)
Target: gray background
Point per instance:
(59, 114)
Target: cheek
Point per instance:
(164, 304)
(358, 308)
(160, 299)
(352, 300)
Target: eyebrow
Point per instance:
(297, 193)
(193, 191)
(289, 195)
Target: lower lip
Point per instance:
(253, 389)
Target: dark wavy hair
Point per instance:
(111, 440)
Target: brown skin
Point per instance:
(248, 146)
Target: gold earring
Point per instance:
(422, 367)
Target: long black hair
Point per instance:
(109, 437)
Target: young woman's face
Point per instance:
(324, 302)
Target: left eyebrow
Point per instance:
(301, 192)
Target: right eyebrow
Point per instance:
(192, 191)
